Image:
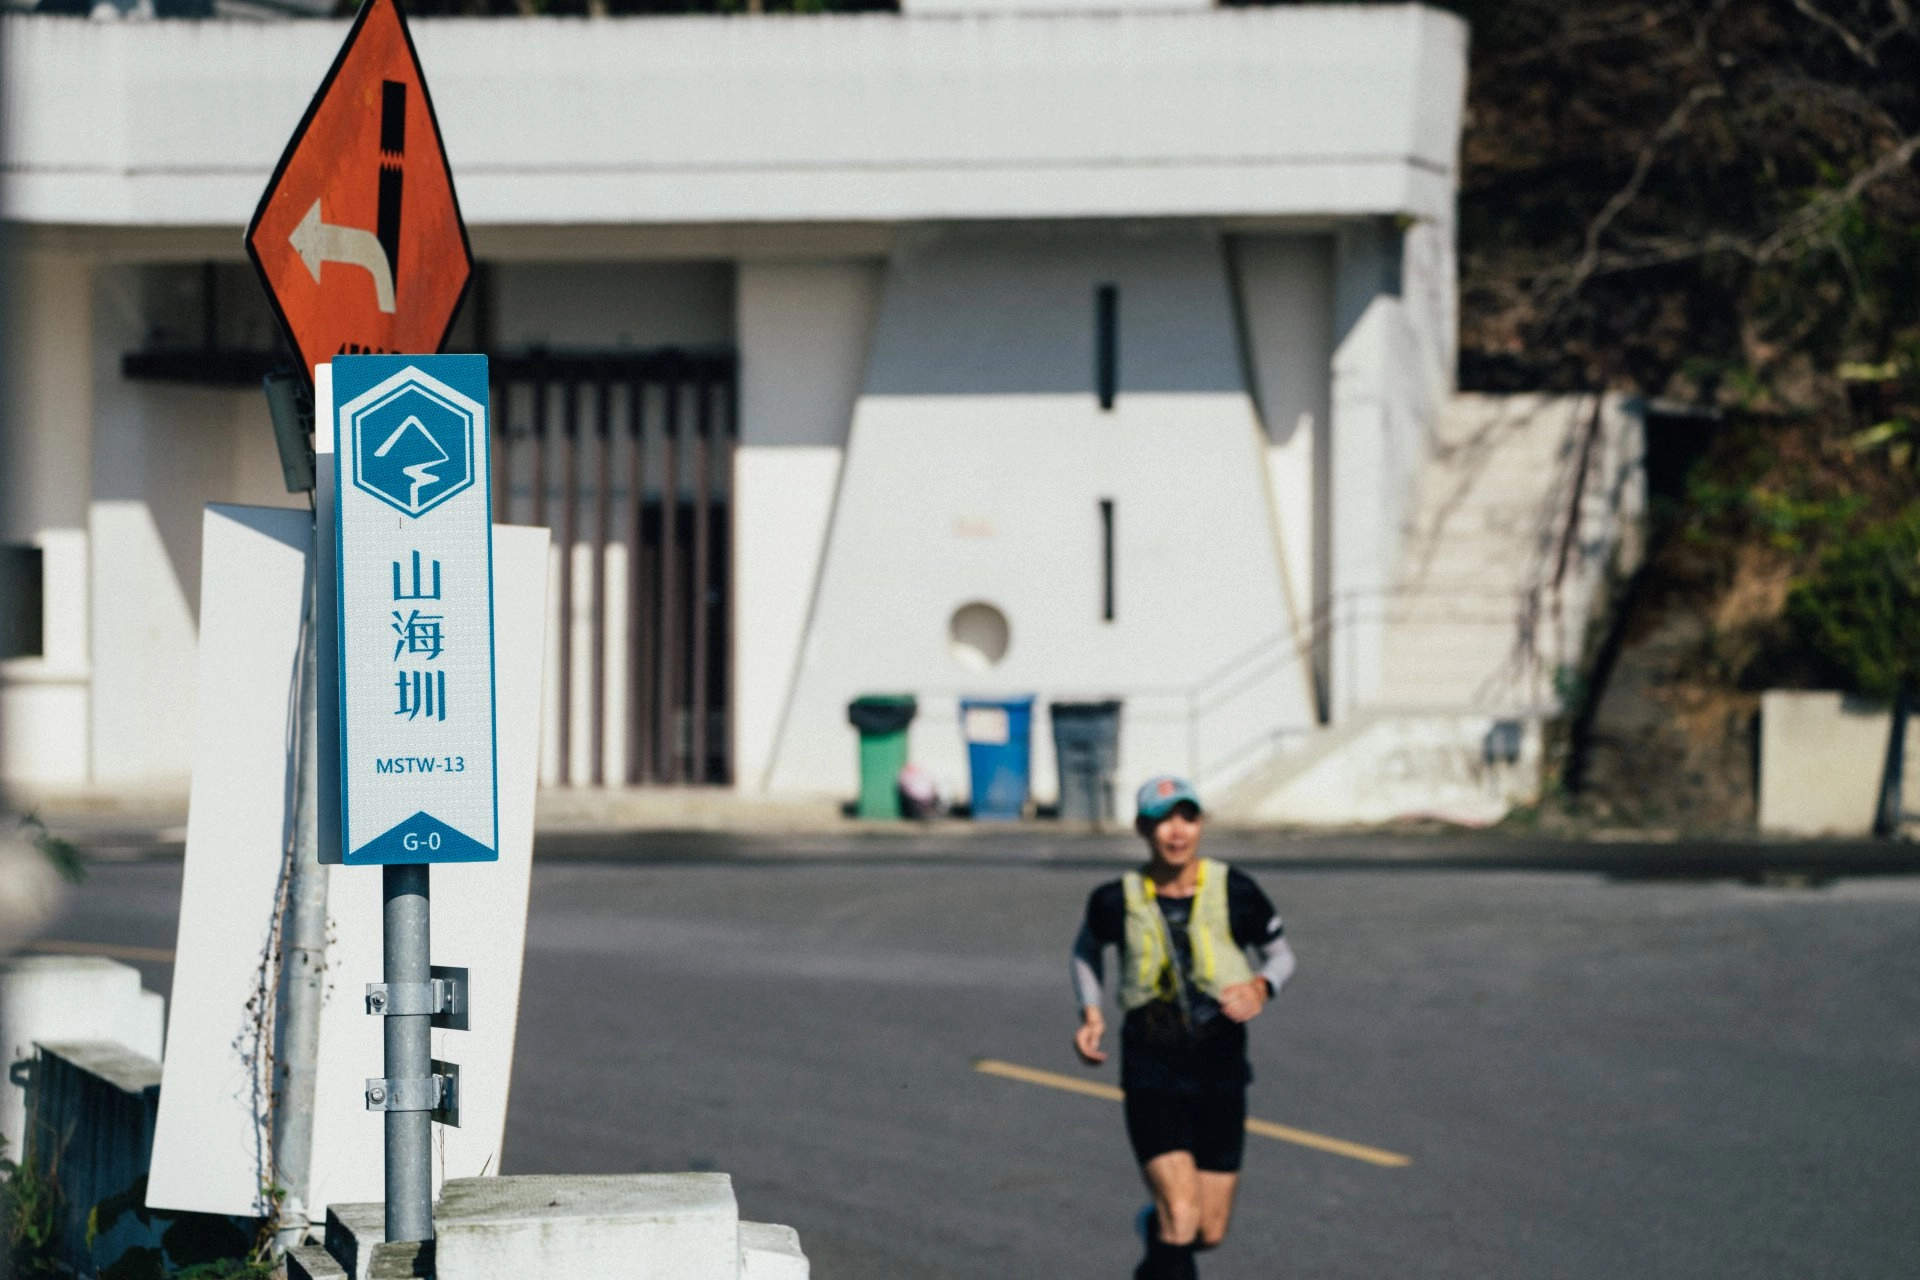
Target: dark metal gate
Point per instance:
(628, 458)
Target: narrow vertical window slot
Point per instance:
(1106, 559)
(23, 592)
(1106, 343)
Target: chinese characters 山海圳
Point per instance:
(420, 635)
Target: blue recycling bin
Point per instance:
(999, 755)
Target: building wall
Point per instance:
(963, 457)
(977, 460)
(983, 335)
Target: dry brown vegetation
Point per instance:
(1718, 203)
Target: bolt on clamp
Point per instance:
(443, 997)
(407, 999)
(438, 1093)
(418, 1093)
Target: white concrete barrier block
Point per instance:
(771, 1252)
(662, 1226)
(352, 1231)
(311, 1262)
(50, 998)
(1821, 758)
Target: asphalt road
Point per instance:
(1593, 1075)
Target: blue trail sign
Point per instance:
(415, 568)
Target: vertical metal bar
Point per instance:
(482, 307)
(568, 468)
(731, 437)
(303, 953)
(405, 914)
(699, 695)
(500, 455)
(602, 484)
(639, 685)
(209, 306)
(668, 769)
(538, 477)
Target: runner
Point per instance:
(1182, 925)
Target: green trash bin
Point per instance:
(882, 720)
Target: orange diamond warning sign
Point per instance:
(358, 238)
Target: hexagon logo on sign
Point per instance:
(411, 440)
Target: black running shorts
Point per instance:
(1212, 1125)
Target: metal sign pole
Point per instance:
(408, 1064)
(303, 957)
(303, 925)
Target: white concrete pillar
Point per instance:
(1394, 346)
(1285, 289)
(804, 330)
(1364, 519)
(48, 407)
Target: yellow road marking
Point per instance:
(1013, 1071)
(1264, 1128)
(1334, 1146)
(111, 950)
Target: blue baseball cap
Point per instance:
(1157, 796)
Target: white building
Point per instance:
(1091, 353)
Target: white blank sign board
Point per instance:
(211, 1143)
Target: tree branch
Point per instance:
(1854, 44)
(1807, 220)
(1643, 165)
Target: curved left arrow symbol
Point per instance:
(317, 242)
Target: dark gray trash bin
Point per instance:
(1086, 739)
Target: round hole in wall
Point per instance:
(978, 635)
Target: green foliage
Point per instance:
(30, 1208)
(1859, 615)
(1755, 496)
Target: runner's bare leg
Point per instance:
(1216, 1205)
(1175, 1184)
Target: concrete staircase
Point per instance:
(1471, 622)
(1524, 510)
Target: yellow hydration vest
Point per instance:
(1146, 971)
